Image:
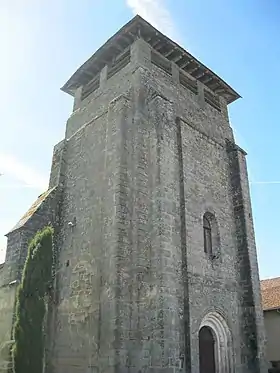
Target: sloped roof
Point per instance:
(270, 290)
(134, 29)
(34, 207)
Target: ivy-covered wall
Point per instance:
(29, 344)
(17, 245)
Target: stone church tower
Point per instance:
(156, 260)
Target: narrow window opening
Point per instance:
(207, 236)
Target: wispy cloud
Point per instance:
(156, 13)
(11, 166)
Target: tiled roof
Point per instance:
(32, 209)
(270, 290)
(159, 42)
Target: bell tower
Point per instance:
(156, 260)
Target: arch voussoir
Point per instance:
(223, 338)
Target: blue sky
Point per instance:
(43, 42)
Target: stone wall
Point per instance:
(207, 172)
(19, 238)
(10, 276)
(272, 327)
(7, 298)
(143, 159)
(86, 270)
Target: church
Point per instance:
(156, 265)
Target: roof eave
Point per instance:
(272, 308)
(67, 86)
(72, 84)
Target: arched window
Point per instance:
(211, 236)
(207, 234)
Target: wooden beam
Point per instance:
(213, 85)
(192, 67)
(160, 46)
(105, 62)
(206, 78)
(177, 58)
(182, 62)
(132, 35)
(152, 37)
(117, 47)
(148, 39)
(229, 98)
(98, 65)
(89, 73)
(110, 53)
(84, 81)
(156, 43)
(127, 40)
(186, 63)
(168, 53)
(198, 73)
(219, 90)
(201, 75)
(94, 72)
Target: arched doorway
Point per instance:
(215, 345)
(206, 350)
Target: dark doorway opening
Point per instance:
(206, 350)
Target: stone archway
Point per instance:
(215, 335)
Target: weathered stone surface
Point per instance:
(144, 158)
(7, 298)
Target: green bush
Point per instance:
(28, 349)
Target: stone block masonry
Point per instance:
(148, 151)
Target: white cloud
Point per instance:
(155, 12)
(16, 169)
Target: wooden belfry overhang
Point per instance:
(138, 27)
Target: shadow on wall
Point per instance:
(275, 368)
(5, 360)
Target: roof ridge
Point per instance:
(270, 279)
(32, 209)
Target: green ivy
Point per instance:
(28, 349)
